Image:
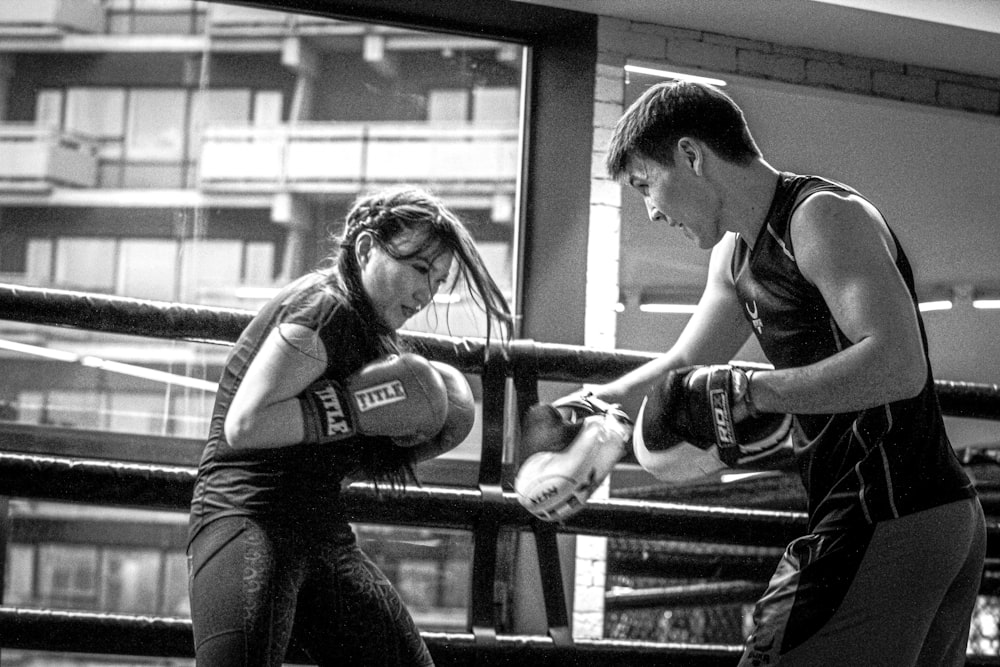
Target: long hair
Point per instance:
(386, 215)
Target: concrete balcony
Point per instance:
(38, 158)
(343, 157)
(50, 17)
(234, 17)
(235, 20)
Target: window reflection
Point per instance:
(211, 170)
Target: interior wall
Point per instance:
(930, 170)
(927, 168)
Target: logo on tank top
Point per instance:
(758, 324)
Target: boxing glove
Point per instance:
(582, 404)
(397, 396)
(700, 420)
(570, 447)
(458, 423)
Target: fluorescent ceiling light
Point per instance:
(926, 306)
(986, 304)
(677, 76)
(38, 351)
(110, 366)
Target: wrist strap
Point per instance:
(748, 396)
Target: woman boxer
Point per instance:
(319, 387)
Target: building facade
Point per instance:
(205, 153)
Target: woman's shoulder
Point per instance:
(314, 300)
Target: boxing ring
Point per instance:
(510, 376)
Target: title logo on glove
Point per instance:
(379, 395)
(723, 419)
(336, 420)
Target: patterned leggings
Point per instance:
(255, 591)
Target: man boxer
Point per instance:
(890, 568)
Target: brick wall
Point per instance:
(619, 39)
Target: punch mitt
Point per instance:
(571, 446)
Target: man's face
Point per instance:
(678, 196)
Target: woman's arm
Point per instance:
(265, 411)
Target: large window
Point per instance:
(150, 137)
(212, 170)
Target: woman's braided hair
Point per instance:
(386, 215)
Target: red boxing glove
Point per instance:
(398, 396)
(458, 423)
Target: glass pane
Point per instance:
(38, 262)
(448, 105)
(190, 413)
(147, 268)
(97, 112)
(74, 409)
(259, 264)
(156, 124)
(48, 109)
(141, 176)
(175, 586)
(115, 384)
(267, 108)
(67, 576)
(162, 24)
(210, 267)
(224, 217)
(19, 575)
(130, 582)
(495, 105)
(133, 412)
(216, 107)
(429, 567)
(85, 263)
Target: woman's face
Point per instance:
(400, 288)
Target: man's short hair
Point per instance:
(667, 111)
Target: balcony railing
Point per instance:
(51, 16)
(344, 156)
(39, 157)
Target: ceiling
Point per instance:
(956, 35)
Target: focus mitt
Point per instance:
(570, 445)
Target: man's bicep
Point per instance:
(843, 248)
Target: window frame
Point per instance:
(558, 102)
